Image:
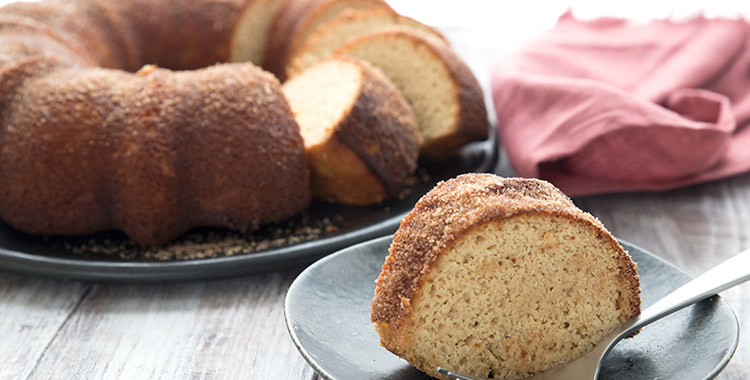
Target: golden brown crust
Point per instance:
(23, 38)
(373, 143)
(85, 149)
(119, 38)
(471, 122)
(179, 34)
(28, 49)
(381, 129)
(49, 54)
(293, 21)
(451, 210)
(129, 34)
(333, 165)
(80, 24)
(151, 165)
(228, 184)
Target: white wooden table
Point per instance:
(234, 328)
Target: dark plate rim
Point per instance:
(196, 269)
(309, 358)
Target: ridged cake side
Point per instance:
(153, 154)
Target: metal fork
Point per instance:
(728, 274)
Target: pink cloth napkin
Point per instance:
(608, 106)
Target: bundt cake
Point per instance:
(334, 33)
(296, 20)
(360, 135)
(85, 149)
(93, 137)
(152, 154)
(79, 27)
(446, 97)
(500, 278)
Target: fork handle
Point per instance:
(730, 273)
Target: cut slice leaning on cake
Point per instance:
(446, 98)
(360, 136)
(351, 23)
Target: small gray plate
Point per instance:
(327, 312)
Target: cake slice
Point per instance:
(253, 30)
(296, 20)
(334, 33)
(360, 135)
(500, 278)
(446, 97)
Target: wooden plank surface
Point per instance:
(32, 313)
(230, 329)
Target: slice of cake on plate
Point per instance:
(500, 277)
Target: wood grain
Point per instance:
(32, 312)
(231, 329)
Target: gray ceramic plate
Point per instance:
(33, 255)
(327, 313)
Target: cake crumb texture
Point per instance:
(500, 277)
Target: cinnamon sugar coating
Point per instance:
(450, 210)
(381, 129)
(99, 128)
(87, 146)
(456, 218)
(153, 154)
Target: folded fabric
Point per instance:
(608, 106)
